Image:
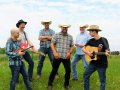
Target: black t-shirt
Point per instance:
(102, 44)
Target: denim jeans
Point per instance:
(75, 60)
(102, 75)
(29, 60)
(56, 64)
(15, 70)
(42, 58)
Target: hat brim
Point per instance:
(94, 30)
(67, 26)
(43, 22)
(17, 25)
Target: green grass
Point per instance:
(113, 76)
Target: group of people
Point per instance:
(59, 47)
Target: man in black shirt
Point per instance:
(101, 63)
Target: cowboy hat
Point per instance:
(94, 28)
(43, 22)
(19, 22)
(64, 25)
(84, 26)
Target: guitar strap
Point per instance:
(25, 36)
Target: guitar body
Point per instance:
(95, 52)
(91, 49)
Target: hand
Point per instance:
(56, 55)
(76, 44)
(89, 54)
(68, 55)
(21, 53)
(107, 53)
(41, 53)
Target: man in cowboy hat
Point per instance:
(101, 63)
(45, 36)
(62, 47)
(81, 40)
(23, 38)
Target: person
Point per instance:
(16, 63)
(81, 40)
(62, 46)
(23, 38)
(101, 63)
(45, 36)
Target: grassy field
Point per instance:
(113, 76)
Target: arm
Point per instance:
(11, 53)
(54, 51)
(45, 38)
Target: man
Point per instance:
(15, 60)
(23, 38)
(45, 37)
(81, 40)
(62, 47)
(101, 63)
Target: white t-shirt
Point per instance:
(22, 36)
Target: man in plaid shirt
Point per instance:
(62, 46)
(15, 60)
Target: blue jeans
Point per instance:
(15, 70)
(75, 60)
(29, 60)
(88, 72)
(42, 58)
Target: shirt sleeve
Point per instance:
(72, 42)
(9, 51)
(40, 33)
(54, 39)
(53, 33)
(106, 44)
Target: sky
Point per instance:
(104, 13)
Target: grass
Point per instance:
(113, 76)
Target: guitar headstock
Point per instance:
(115, 53)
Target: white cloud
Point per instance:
(74, 13)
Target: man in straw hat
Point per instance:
(81, 40)
(101, 63)
(24, 40)
(45, 36)
(62, 46)
(16, 63)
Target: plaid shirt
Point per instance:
(62, 44)
(46, 44)
(11, 47)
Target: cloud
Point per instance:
(71, 12)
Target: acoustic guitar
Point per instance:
(95, 52)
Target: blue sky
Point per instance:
(104, 13)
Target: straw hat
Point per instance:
(64, 25)
(84, 26)
(19, 22)
(46, 21)
(94, 27)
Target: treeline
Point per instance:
(2, 50)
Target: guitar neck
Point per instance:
(111, 53)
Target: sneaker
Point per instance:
(66, 87)
(49, 87)
(56, 76)
(38, 76)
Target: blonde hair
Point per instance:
(14, 30)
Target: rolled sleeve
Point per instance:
(54, 39)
